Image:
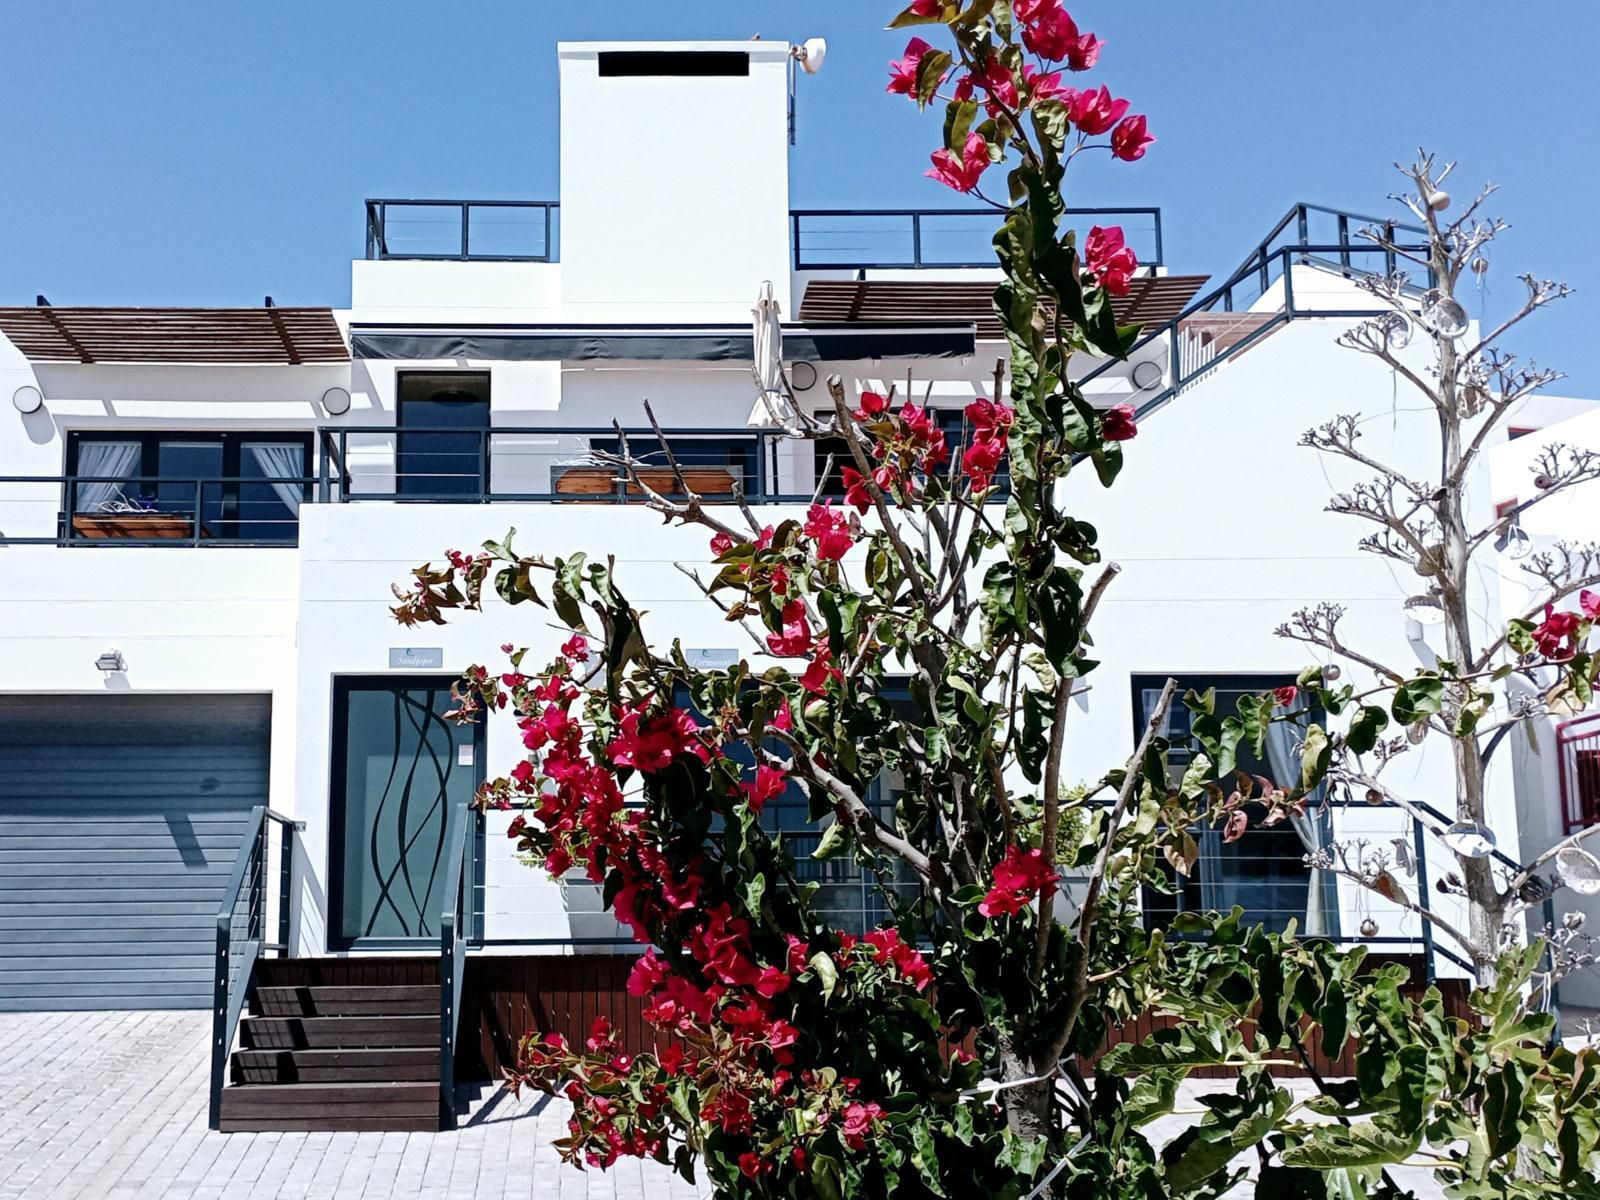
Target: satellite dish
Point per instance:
(1580, 871)
(811, 54)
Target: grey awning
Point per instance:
(646, 343)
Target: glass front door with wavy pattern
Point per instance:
(399, 769)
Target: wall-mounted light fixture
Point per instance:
(336, 401)
(1147, 374)
(112, 662)
(802, 376)
(27, 399)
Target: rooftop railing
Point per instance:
(821, 238)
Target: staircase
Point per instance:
(337, 1044)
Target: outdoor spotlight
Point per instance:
(1470, 839)
(1146, 375)
(27, 398)
(1514, 540)
(811, 54)
(336, 401)
(1425, 610)
(802, 377)
(111, 662)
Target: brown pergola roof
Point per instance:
(290, 336)
(1151, 302)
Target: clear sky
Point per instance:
(206, 152)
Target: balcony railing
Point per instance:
(150, 510)
(556, 464)
(822, 238)
(893, 239)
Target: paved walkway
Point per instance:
(112, 1106)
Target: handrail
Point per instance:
(222, 492)
(452, 957)
(378, 230)
(250, 867)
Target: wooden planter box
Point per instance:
(602, 481)
(138, 526)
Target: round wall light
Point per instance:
(27, 398)
(1146, 375)
(803, 376)
(336, 401)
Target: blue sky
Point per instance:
(188, 152)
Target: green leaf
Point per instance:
(958, 117)
(925, 1157)
(1191, 1158)
(1365, 728)
(835, 838)
(931, 70)
(1417, 699)
(1331, 1147)
(1316, 754)
(827, 1180)
(827, 972)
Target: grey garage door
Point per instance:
(120, 817)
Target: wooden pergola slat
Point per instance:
(288, 336)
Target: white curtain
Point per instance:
(282, 461)
(1314, 828)
(104, 460)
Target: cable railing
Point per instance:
(151, 510)
(257, 897)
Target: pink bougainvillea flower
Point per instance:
(575, 648)
(1285, 696)
(903, 71)
(1117, 424)
(981, 459)
(858, 1121)
(1557, 636)
(997, 79)
(649, 972)
(928, 8)
(721, 543)
(820, 673)
(1084, 53)
(1028, 11)
(1018, 878)
(1129, 139)
(963, 176)
(1110, 259)
(1590, 603)
(829, 528)
(1052, 34)
(1045, 86)
(794, 640)
(1094, 111)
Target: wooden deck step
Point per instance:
(337, 1033)
(409, 1065)
(331, 1106)
(413, 1000)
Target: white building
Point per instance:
(202, 513)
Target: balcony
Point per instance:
(151, 510)
(821, 239)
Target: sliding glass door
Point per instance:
(400, 771)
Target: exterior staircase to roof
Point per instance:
(337, 1044)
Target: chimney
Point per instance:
(674, 179)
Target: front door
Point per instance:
(442, 451)
(399, 771)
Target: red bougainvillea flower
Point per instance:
(1285, 696)
(1110, 259)
(769, 782)
(575, 648)
(1557, 636)
(981, 459)
(794, 641)
(922, 428)
(928, 8)
(752, 1165)
(820, 673)
(721, 543)
(903, 72)
(1084, 53)
(1018, 878)
(1590, 603)
(1029, 11)
(1094, 111)
(649, 972)
(1129, 139)
(829, 528)
(1116, 423)
(653, 743)
(963, 176)
(872, 405)
(856, 492)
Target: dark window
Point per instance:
(443, 441)
(1264, 871)
(617, 64)
(234, 486)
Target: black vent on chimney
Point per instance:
(618, 64)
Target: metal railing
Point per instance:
(151, 510)
(906, 238)
(248, 904)
(454, 930)
(1578, 767)
(463, 230)
(821, 238)
(1260, 296)
(551, 464)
